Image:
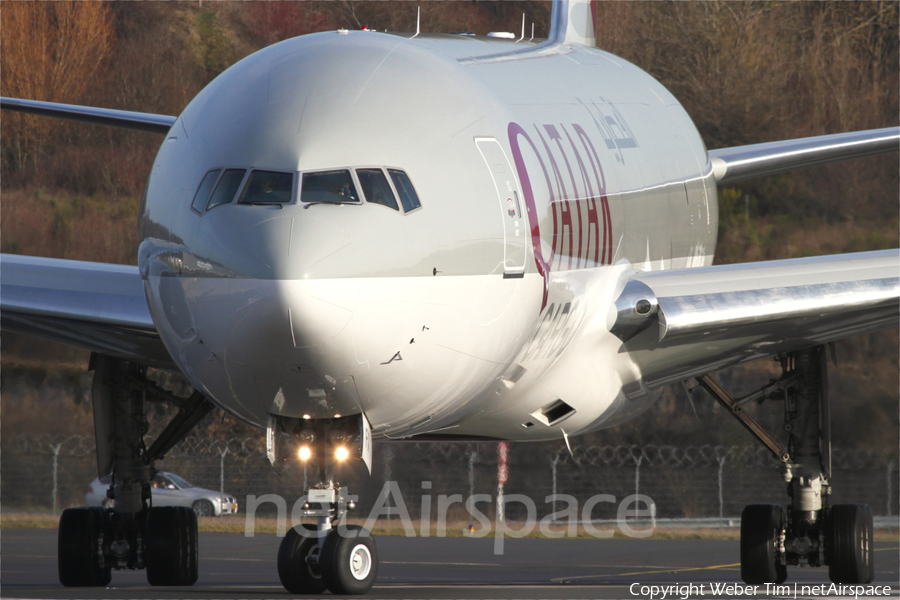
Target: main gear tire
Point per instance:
(761, 529)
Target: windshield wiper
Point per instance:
(308, 204)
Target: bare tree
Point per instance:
(48, 51)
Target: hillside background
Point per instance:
(746, 72)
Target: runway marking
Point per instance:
(564, 579)
(449, 564)
(486, 564)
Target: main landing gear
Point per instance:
(810, 531)
(331, 554)
(132, 534)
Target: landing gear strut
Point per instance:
(331, 554)
(132, 534)
(810, 531)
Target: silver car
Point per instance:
(168, 489)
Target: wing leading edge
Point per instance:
(744, 162)
(94, 306)
(687, 322)
(125, 119)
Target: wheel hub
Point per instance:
(312, 562)
(360, 562)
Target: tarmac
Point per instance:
(235, 566)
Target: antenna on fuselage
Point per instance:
(523, 29)
(532, 32)
(568, 445)
(418, 18)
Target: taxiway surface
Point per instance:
(234, 566)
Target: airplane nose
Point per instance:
(317, 309)
(286, 346)
(270, 345)
(293, 247)
(300, 301)
(259, 317)
(308, 300)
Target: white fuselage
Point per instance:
(543, 175)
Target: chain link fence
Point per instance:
(39, 472)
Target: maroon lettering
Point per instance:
(562, 225)
(554, 135)
(577, 218)
(593, 158)
(607, 232)
(600, 179)
(560, 186)
(594, 228)
(514, 131)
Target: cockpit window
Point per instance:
(329, 186)
(408, 197)
(376, 188)
(203, 191)
(267, 187)
(227, 188)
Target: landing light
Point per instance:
(643, 307)
(341, 453)
(306, 417)
(304, 453)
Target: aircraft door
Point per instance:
(512, 205)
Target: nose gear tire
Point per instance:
(349, 564)
(296, 574)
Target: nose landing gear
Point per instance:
(839, 536)
(331, 554)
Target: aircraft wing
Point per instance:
(95, 306)
(744, 162)
(687, 322)
(125, 119)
